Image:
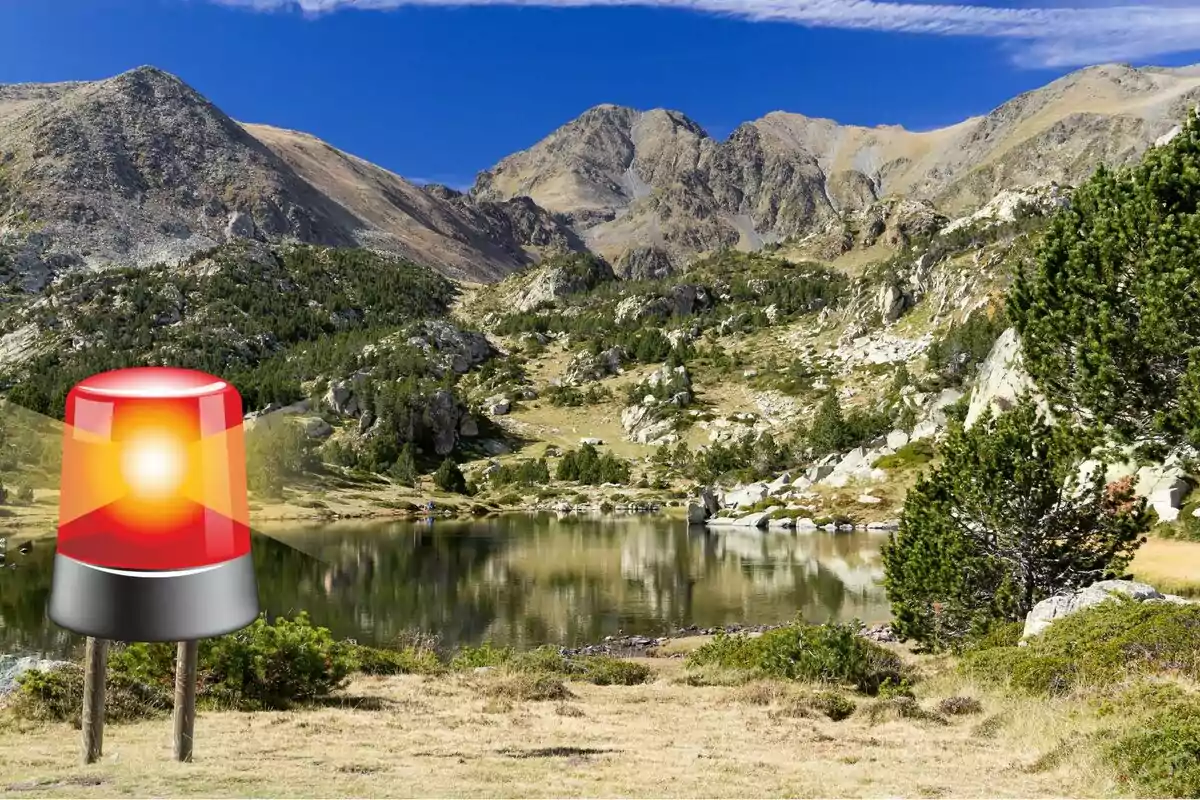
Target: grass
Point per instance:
(504, 733)
(1170, 565)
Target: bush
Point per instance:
(57, 696)
(830, 653)
(1102, 646)
(1161, 758)
(959, 706)
(409, 661)
(263, 666)
(913, 454)
(600, 670)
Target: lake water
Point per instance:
(519, 580)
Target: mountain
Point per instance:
(141, 168)
(627, 178)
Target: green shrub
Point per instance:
(409, 661)
(913, 454)
(608, 671)
(831, 653)
(889, 709)
(1102, 646)
(959, 706)
(548, 660)
(57, 696)
(484, 655)
(1161, 758)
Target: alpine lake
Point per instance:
(514, 580)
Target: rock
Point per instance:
(784, 523)
(869, 500)
(1059, 606)
(592, 441)
(317, 428)
(12, 667)
(587, 367)
(1002, 379)
(756, 520)
(750, 373)
(709, 499)
(891, 303)
(696, 514)
(340, 399)
(240, 226)
(646, 425)
(780, 483)
(1164, 487)
(747, 495)
(644, 264)
(448, 348)
(883, 526)
(805, 524)
(561, 277)
(468, 427)
(818, 473)
(897, 439)
(494, 447)
(497, 406)
(442, 414)
(674, 378)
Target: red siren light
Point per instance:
(154, 533)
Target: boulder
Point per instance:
(897, 439)
(498, 406)
(747, 495)
(696, 514)
(594, 442)
(891, 303)
(783, 523)
(869, 500)
(709, 499)
(1053, 608)
(1002, 379)
(317, 428)
(468, 427)
(779, 484)
(805, 524)
(756, 520)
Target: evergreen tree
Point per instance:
(1001, 524)
(404, 470)
(449, 478)
(1108, 312)
(827, 433)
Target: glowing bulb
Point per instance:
(154, 467)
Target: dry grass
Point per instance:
(1169, 565)
(473, 736)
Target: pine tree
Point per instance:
(449, 478)
(1108, 312)
(1001, 524)
(828, 431)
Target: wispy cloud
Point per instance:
(1048, 33)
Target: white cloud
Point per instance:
(1050, 33)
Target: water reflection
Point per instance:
(523, 580)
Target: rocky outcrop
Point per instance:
(585, 367)
(448, 348)
(645, 264)
(1001, 380)
(560, 277)
(1045, 613)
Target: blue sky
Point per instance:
(437, 92)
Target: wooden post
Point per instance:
(94, 675)
(185, 698)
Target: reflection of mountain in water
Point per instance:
(528, 580)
